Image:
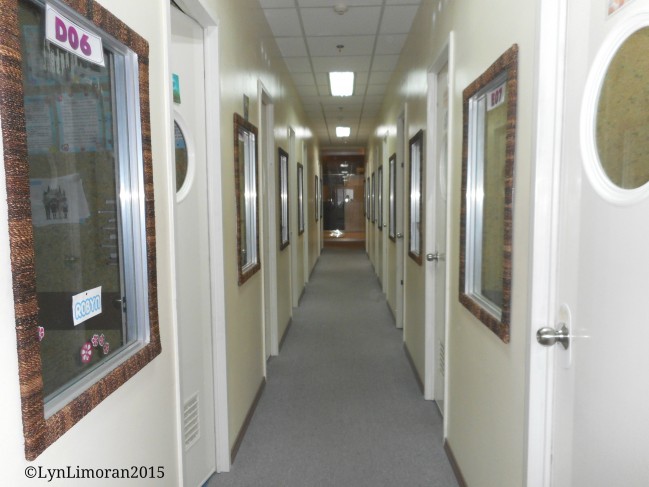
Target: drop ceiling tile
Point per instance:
(374, 100)
(322, 79)
(398, 20)
(385, 62)
(302, 78)
(390, 43)
(291, 46)
(284, 22)
(329, 3)
(298, 65)
(336, 101)
(340, 63)
(376, 89)
(354, 45)
(307, 90)
(326, 22)
(380, 77)
(276, 3)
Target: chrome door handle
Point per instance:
(432, 257)
(547, 336)
(399, 235)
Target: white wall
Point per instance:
(137, 424)
(486, 393)
(248, 53)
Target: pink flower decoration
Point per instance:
(106, 348)
(102, 339)
(95, 340)
(86, 352)
(41, 333)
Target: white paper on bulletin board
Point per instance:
(80, 122)
(58, 200)
(40, 124)
(34, 56)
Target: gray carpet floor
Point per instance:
(341, 406)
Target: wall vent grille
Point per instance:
(191, 422)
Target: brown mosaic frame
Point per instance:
(242, 123)
(283, 244)
(508, 63)
(40, 432)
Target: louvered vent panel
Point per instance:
(191, 422)
(442, 359)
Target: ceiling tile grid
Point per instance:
(318, 36)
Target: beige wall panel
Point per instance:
(486, 415)
(245, 59)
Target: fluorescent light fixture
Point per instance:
(343, 131)
(342, 83)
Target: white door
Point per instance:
(192, 254)
(600, 414)
(436, 178)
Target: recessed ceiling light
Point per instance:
(343, 131)
(342, 83)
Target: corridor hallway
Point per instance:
(341, 406)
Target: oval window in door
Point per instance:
(622, 114)
(182, 156)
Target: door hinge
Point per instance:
(402, 282)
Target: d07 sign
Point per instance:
(64, 33)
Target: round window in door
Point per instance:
(184, 156)
(615, 116)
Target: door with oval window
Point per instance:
(192, 251)
(600, 425)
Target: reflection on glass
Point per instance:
(182, 158)
(416, 155)
(622, 121)
(392, 203)
(300, 198)
(283, 199)
(493, 185)
(69, 106)
(380, 198)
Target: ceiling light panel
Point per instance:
(342, 83)
(343, 131)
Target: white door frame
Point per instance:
(401, 218)
(209, 21)
(431, 349)
(385, 163)
(549, 102)
(307, 214)
(269, 221)
(293, 219)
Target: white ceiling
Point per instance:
(372, 32)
